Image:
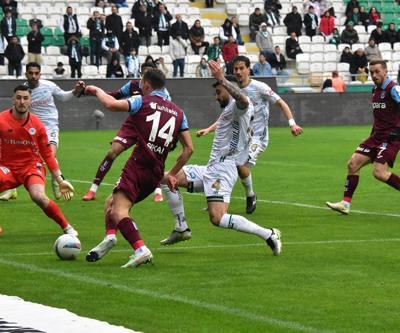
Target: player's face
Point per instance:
(378, 74)
(146, 88)
(241, 72)
(21, 101)
(222, 96)
(33, 76)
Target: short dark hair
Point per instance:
(32, 64)
(155, 77)
(146, 65)
(241, 58)
(22, 87)
(379, 62)
(229, 78)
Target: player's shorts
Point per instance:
(53, 135)
(138, 181)
(217, 180)
(9, 179)
(126, 136)
(381, 153)
(257, 146)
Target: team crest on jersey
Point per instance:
(153, 105)
(253, 147)
(383, 94)
(32, 131)
(216, 186)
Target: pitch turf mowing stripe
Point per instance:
(275, 202)
(247, 315)
(212, 246)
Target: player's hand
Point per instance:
(202, 132)
(79, 88)
(296, 130)
(216, 70)
(172, 182)
(90, 90)
(66, 189)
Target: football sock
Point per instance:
(350, 186)
(394, 181)
(175, 204)
(94, 187)
(157, 191)
(242, 224)
(104, 167)
(55, 213)
(248, 185)
(111, 227)
(130, 232)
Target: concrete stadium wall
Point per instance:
(196, 98)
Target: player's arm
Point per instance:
(109, 102)
(187, 150)
(394, 135)
(127, 90)
(65, 96)
(67, 190)
(294, 128)
(242, 102)
(205, 131)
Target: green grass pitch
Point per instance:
(336, 273)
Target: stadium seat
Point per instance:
(304, 39)
(330, 48)
(317, 48)
(342, 46)
(357, 46)
(303, 57)
(318, 39)
(330, 56)
(53, 50)
(343, 67)
(143, 50)
(396, 56)
(90, 71)
(329, 66)
(103, 70)
(385, 47)
(316, 57)
(316, 67)
(386, 55)
(396, 46)
(370, 28)
(154, 50)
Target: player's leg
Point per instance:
(120, 214)
(385, 159)
(53, 136)
(115, 150)
(189, 177)
(35, 186)
(354, 165)
(110, 239)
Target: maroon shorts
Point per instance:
(126, 136)
(138, 181)
(379, 152)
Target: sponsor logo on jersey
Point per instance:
(32, 131)
(5, 170)
(378, 105)
(123, 140)
(155, 148)
(216, 186)
(363, 149)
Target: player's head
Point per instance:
(378, 70)
(21, 99)
(221, 94)
(241, 68)
(153, 79)
(145, 67)
(32, 73)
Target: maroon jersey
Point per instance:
(132, 88)
(386, 112)
(157, 122)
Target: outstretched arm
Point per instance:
(241, 99)
(207, 130)
(294, 128)
(108, 101)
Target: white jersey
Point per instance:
(232, 135)
(260, 95)
(43, 102)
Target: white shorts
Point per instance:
(52, 135)
(257, 146)
(216, 180)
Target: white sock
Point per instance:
(248, 185)
(242, 224)
(157, 191)
(94, 187)
(112, 237)
(175, 203)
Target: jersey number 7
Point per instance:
(166, 132)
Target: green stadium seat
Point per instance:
(47, 41)
(57, 41)
(22, 31)
(58, 32)
(84, 41)
(46, 31)
(21, 22)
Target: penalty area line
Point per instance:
(275, 202)
(237, 312)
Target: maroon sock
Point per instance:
(104, 166)
(350, 186)
(394, 181)
(111, 226)
(130, 232)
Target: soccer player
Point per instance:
(43, 93)
(157, 124)
(383, 144)
(121, 143)
(217, 178)
(260, 95)
(23, 147)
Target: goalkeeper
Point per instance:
(24, 146)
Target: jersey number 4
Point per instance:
(166, 132)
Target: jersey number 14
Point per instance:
(166, 132)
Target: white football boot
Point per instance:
(141, 256)
(341, 206)
(101, 249)
(274, 242)
(70, 231)
(177, 236)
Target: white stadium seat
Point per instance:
(385, 47)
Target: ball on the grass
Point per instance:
(67, 247)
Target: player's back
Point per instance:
(19, 140)
(158, 124)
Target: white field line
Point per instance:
(220, 246)
(237, 312)
(275, 202)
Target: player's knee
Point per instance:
(351, 166)
(39, 198)
(381, 175)
(215, 218)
